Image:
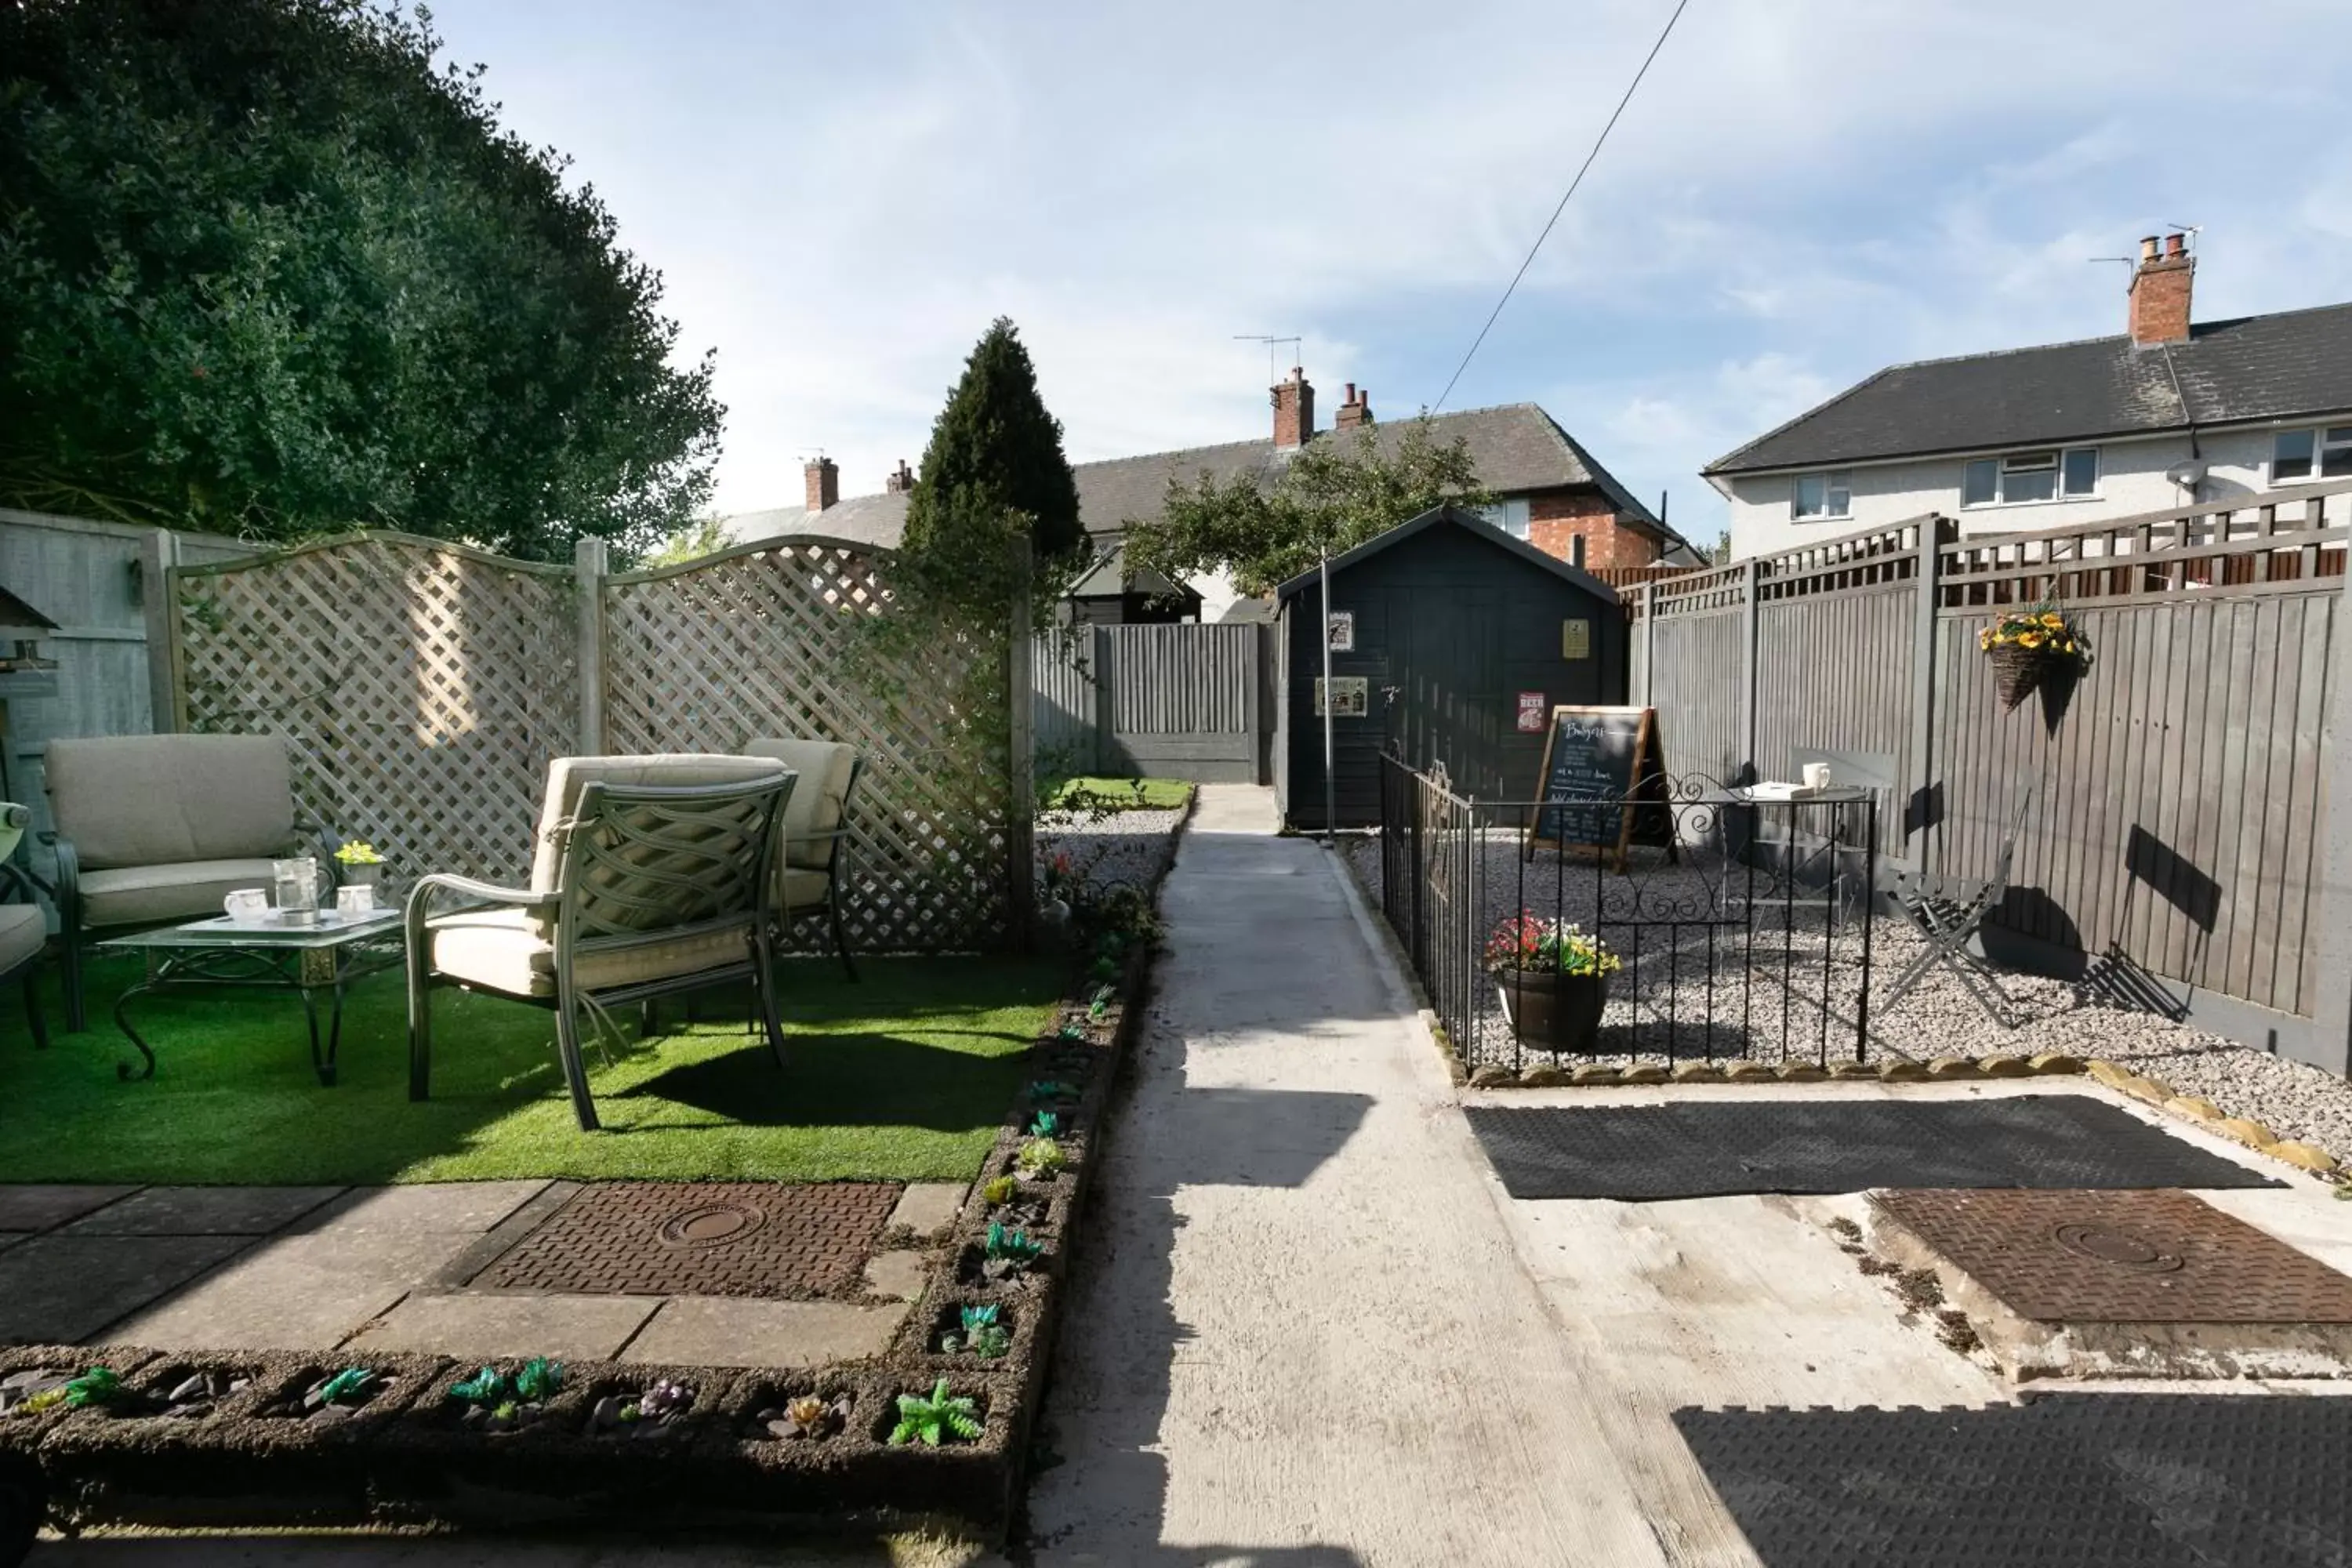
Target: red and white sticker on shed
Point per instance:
(1531, 713)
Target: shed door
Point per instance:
(1447, 663)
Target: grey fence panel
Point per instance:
(1170, 702)
(1833, 673)
(1694, 684)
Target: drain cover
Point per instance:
(2112, 1244)
(707, 1238)
(710, 1225)
(2120, 1257)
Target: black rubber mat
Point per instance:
(1712, 1148)
(2084, 1480)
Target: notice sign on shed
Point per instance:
(1576, 639)
(1531, 713)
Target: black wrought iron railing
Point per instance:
(1735, 927)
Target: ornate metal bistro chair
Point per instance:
(1949, 911)
(652, 876)
(812, 870)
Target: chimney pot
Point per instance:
(2173, 242)
(2159, 303)
(824, 480)
(1294, 411)
(1356, 411)
(900, 482)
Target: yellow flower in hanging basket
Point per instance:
(2052, 619)
(2029, 639)
(2067, 647)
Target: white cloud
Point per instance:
(842, 198)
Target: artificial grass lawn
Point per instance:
(906, 1076)
(1124, 794)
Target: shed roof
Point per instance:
(1458, 517)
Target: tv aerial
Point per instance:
(1273, 352)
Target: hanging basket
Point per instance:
(2016, 671)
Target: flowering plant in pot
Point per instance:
(2025, 644)
(360, 863)
(1553, 978)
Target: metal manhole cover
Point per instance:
(709, 1239)
(2112, 1244)
(2124, 1257)
(710, 1225)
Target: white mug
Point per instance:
(359, 899)
(1817, 775)
(247, 903)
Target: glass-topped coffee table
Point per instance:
(270, 954)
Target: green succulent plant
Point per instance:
(999, 1190)
(1016, 1247)
(1041, 1156)
(1054, 1088)
(538, 1381)
(98, 1386)
(488, 1386)
(1073, 1030)
(346, 1385)
(1044, 1124)
(936, 1417)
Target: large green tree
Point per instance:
(1337, 492)
(993, 470)
(265, 268)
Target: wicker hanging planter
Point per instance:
(2016, 671)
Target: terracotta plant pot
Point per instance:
(1553, 1012)
(2016, 671)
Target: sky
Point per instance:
(840, 198)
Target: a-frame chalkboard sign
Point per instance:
(1601, 767)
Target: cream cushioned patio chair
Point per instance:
(156, 828)
(812, 869)
(651, 875)
(23, 928)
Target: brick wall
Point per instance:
(1555, 520)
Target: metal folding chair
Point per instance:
(1948, 911)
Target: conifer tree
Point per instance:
(994, 465)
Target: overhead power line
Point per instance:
(1597, 143)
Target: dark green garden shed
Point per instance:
(1447, 628)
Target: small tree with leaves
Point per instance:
(1335, 493)
(993, 470)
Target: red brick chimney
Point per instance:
(823, 476)
(1294, 412)
(899, 482)
(2160, 292)
(1357, 410)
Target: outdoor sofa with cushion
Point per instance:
(23, 926)
(651, 875)
(152, 829)
(811, 872)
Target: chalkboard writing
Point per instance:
(1595, 760)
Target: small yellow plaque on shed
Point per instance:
(1576, 639)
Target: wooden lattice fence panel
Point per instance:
(422, 687)
(779, 639)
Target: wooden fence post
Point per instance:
(1921, 773)
(2332, 928)
(1749, 672)
(1649, 646)
(1020, 829)
(588, 573)
(158, 554)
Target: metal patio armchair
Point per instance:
(1949, 911)
(811, 864)
(652, 876)
(23, 926)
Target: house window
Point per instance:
(2023, 478)
(1822, 495)
(2323, 454)
(1510, 516)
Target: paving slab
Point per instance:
(62, 1289)
(470, 1208)
(728, 1330)
(9, 1238)
(899, 1274)
(40, 1206)
(297, 1292)
(202, 1211)
(928, 1207)
(569, 1327)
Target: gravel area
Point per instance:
(1135, 846)
(1775, 983)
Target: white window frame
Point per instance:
(2320, 446)
(1837, 496)
(2051, 460)
(1508, 515)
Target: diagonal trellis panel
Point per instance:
(422, 687)
(778, 639)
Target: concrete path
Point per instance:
(1301, 1332)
